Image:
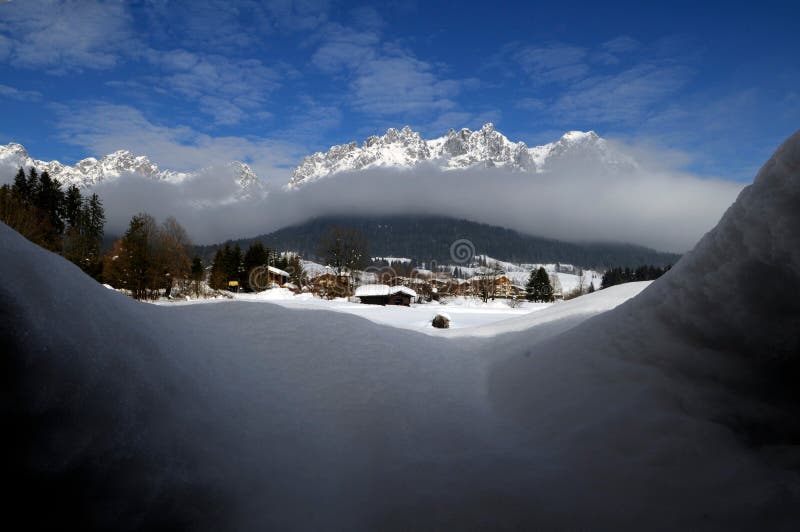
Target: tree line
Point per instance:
(148, 261)
(151, 259)
(231, 265)
(619, 275)
(428, 238)
(61, 221)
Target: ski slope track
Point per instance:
(678, 409)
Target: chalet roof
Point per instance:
(278, 271)
(368, 290)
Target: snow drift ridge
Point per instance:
(739, 288)
(122, 415)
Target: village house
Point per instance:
(381, 294)
(503, 287)
(494, 286)
(277, 276)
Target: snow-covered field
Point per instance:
(418, 317)
(674, 410)
(469, 316)
(465, 313)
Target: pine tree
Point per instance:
(32, 186)
(49, 199)
(227, 266)
(255, 256)
(197, 272)
(96, 218)
(73, 203)
(132, 264)
(234, 265)
(22, 216)
(280, 261)
(538, 287)
(295, 269)
(75, 243)
(218, 279)
(22, 187)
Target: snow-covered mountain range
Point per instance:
(487, 147)
(92, 171)
(403, 148)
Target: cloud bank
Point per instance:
(576, 202)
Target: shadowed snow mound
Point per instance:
(657, 415)
(739, 289)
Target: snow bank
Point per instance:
(660, 414)
(739, 289)
(556, 318)
(270, 295)
(688, 391)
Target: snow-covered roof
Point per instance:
(382, 290)
(278, 271)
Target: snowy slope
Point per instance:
(91, 171)
(674, 411)
(405, 148)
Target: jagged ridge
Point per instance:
(456, 150)
(91, 171)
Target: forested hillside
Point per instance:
(430, 238)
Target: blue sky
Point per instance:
(712, 89)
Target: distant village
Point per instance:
(153, 261)
(393, 281)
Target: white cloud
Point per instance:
(652, 206)
(231, 26)
(402, 84)
(384, 79)
(619, 82)
(344, 48)
(102, 128)
(310, 120)
(20, 95)
(552, 63)
(63, 36)
(531, 104)
(297, 15)
(228, 89)
(626, 96)
(621, 44)
(668, 211)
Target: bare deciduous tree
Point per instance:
(345, 250)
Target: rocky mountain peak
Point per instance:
(405, 148)
(91, 171)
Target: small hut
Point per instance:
(277, 276)
(381, 294)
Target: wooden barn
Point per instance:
(381, 294)
(277, 276)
